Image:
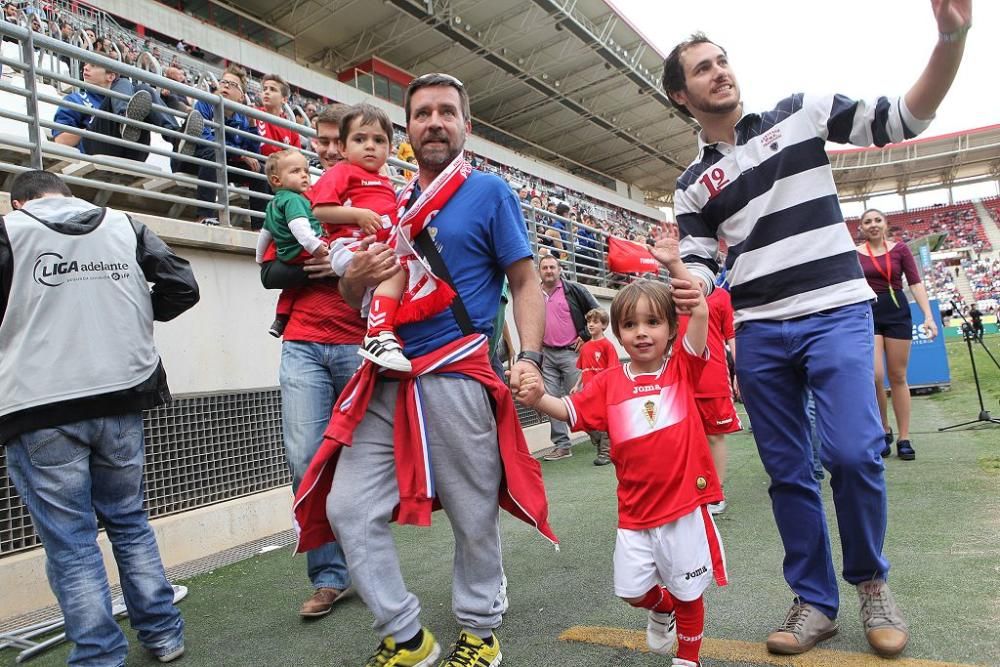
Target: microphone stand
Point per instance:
(968, 334)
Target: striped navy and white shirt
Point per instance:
(772, 199)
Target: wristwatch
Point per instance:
(531, 357)
(956, 36)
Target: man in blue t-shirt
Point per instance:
(481, 238)
(138, 107)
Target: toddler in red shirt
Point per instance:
(596, 355)
(354, 200)
(668, 547)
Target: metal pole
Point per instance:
(31, 101)
(222, 172)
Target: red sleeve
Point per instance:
(726, 303)
(908, 265)
(331, 186)
(694, 364)
(588, 408)
(583, 353)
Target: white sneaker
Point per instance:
(138, 107)
(384, 350)
(717, 508)
(661, 631)
(684, 663)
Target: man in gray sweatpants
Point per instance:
(481, 238)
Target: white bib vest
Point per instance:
(79, 320)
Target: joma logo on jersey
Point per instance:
(697, 573)
(646, 388)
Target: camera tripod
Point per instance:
(969, 335)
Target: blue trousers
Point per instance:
(69, 476)
(312, 375)
(831, 353)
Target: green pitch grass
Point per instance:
(943, 542)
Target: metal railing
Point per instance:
(583, 254)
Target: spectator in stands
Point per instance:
(884, 264)
(74, 438)
(275, 92)
(232, 87)
(405, 153)
(311, 109)
(176, 101)
(801, 310)
(587, 253)
(566, 306)
(319, 353)
(137, 107)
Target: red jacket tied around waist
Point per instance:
(522, 492)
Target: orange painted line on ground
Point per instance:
(737, 651)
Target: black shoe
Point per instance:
(889, 437)
(904, 450)
(278, 326)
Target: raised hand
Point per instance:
(952, 14)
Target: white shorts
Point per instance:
(682, 555)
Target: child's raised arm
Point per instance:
(667, 252)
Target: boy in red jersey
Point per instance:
(667, 546)
(596, 355)
(275, 92)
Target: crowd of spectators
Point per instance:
(984, 278)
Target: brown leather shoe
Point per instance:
(884, 625)
(321, 603)
(804, 627)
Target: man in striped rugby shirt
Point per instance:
(762, 182)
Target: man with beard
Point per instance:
(762, 183)
(456, 430)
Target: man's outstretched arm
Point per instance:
(954, 17)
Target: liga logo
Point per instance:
(52, 269)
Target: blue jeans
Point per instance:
(69, 476)
(814, 440)
(312, 375)
(832, 354)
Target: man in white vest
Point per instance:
(77, 367)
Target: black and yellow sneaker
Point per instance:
(390, 655)
(471, 651)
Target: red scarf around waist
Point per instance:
(522, 491)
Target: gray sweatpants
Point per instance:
(559, 373)
(465, 459)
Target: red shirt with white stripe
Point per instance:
(596, 356)
(658, 444)
(276, 133)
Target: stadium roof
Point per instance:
(927, 163)
(571, 82)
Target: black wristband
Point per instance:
(531, 357)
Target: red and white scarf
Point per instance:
(426, 294)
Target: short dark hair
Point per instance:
(438, 79)
(368, 115)
(34, 184)
(286, 90)
(660, 300)
(562, 209)
(673, 70)
(331, 114)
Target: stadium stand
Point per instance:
(959, 221)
